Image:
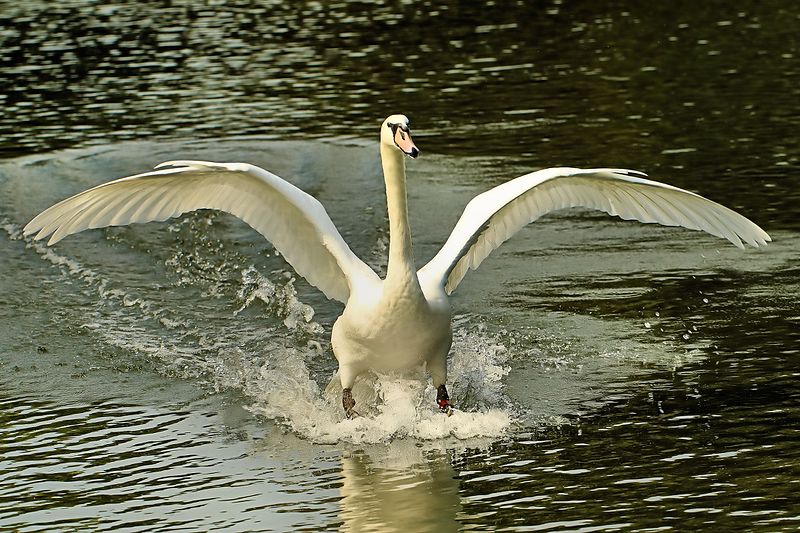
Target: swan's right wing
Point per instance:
(293, 221)
(494, 216)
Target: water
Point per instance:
(611, 376)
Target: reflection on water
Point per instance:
(78, 466)
(399, 489)
(169, 376)
(75, 466)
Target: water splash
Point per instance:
(279, 369)
(405, 408)
(281, 300)
(393, 407)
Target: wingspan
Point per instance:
(293, 221)
(494, 216)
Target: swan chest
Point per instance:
(392, 333)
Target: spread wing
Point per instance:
(293, 221)
(494, 216)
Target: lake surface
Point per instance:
(611, 376)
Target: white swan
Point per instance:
(404, 320)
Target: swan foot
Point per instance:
(443, 399)
(349, 403)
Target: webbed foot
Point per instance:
(349, 403)
(443, 399)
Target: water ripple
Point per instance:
(651, 376)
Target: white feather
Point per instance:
(293, 221)
(494, 216)
(403, 321)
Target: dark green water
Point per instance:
(614, 376)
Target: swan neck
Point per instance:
(401, 257)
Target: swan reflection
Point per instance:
(402, 487)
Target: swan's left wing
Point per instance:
(494, 216)
(292, 220)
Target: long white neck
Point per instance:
(401, 257)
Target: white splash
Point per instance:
(272, 366)
(281, 300)
(391, 407)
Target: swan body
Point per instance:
(404, 320)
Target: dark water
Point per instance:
(614, 376)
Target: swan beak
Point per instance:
(402, 138)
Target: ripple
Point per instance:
(595, 421)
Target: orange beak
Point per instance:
(402, 138)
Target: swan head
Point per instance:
(395, 133)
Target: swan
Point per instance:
(403, 321)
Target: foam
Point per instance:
(393, 407)
(283, 300)
(272, 365)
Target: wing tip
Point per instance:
(628, 172)
(38, 234)
(53, 240)
(177, 163)
(759, 238)
(762, 241)
(35, 224)
(203, 165)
